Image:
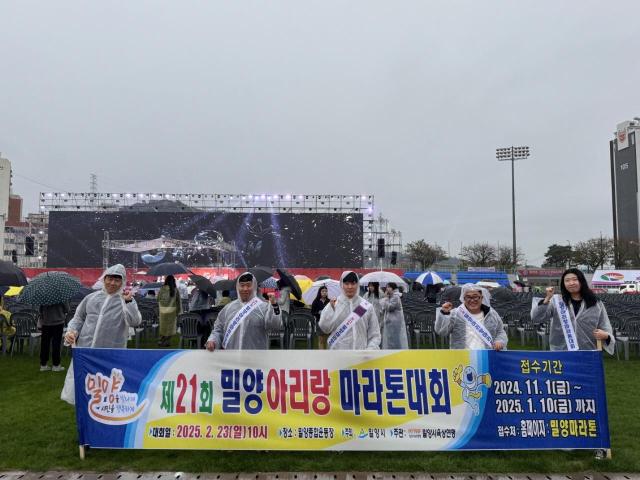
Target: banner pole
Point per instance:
(607, 451)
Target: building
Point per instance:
(5, 192)
(22, 241)
(624, 154)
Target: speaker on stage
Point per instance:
(381, 248)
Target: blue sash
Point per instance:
(238, 318)
(565, 323)
(478, 328)
(349, 322)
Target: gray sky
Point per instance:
(403, 100)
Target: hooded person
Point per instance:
(394, 328)
(244, 323)
(474, 325)
(102, 320)
(350, 320)
(373, 295)
(577, 317)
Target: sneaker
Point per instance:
(45, 368)
(57, 368)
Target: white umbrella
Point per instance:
(429, 278)
(487, 284)
(383, 278)
(332, 285)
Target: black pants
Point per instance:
(204, 329)
(51, 339)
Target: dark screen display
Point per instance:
(300, 240)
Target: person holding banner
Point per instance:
(350, 320)
(474, 325)
(578, 319)
(102, 320)
(243, 324)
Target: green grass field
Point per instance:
(38, 433)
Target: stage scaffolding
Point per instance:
(373, 227)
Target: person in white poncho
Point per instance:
(350, 320)
(474, 325)
(587, 319)
(245, 323)
(102, 320)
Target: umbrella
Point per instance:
(203, 284)
(304, 282)
(164, 269)
(323, 277)
(332, 285)
(50, 288)
(383, 278)
(261, 273)
(502, 294)
(429, 278)
(10, 275)
(10, 291)
(80, 294)
(151, 286)
(225, 285)
(271, 282)
(451, 294)
(488, 284)
(289, 280)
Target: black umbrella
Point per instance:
(164, 269)
(451, 294)
(261, 273)
(50, 288)
(10, 275)
(203, 284)
(225, 285)
(502, 294)
(289, 280)
(80, 294)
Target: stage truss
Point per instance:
(373, 228)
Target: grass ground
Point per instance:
(38, 433)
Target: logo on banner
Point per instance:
(471, 382)
(612, 277)
(108, 403)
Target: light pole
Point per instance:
(512, 154)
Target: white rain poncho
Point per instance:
(375, 301)
(394, 328)
(461, 334)
(252, 333)
(584, 323)
(102, 321)
(365, 333)
(467, 287)
(284, 301)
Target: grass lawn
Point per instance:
(38, 433)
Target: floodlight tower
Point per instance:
(512, 154)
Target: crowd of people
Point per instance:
(351, 321)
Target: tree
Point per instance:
(479, 255)
(627, 255)
(504, 258)
(424, 253)
(594, 253)
(558, 256)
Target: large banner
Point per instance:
(340, 400)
